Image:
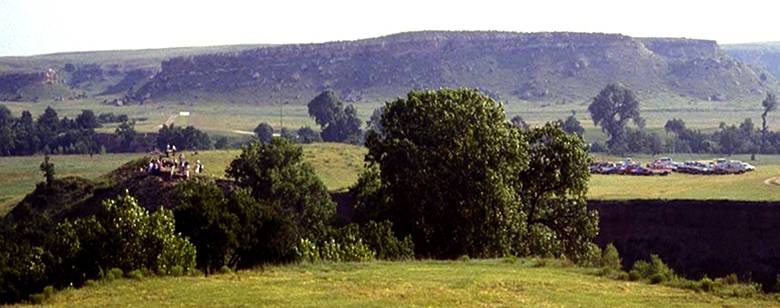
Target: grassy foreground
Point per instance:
(413, 283)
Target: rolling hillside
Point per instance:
(552, 67)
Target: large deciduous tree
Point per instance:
(612, 109)
(277, 174)
(448, 160)
(338, 123)
(554, 187)
(264, 132)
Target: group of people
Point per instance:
(180, 164)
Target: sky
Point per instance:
(30, 27)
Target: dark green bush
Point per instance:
(115, 273)
(380, 238)
(610, 258)
(655, 271)
(135, 274)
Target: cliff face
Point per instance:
(765, 57)
(696, 237)
(539, 66)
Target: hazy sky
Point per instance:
(45, 26)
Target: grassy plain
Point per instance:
(412, 283)
(337, 165)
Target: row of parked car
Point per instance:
(666, 165)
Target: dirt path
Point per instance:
(772, 181)
(243, 132)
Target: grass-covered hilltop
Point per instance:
(449, 203)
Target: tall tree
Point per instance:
(325, 107)
(264, 132)
(554, 187)
(7, 136)
(448, 160)
(337, 123)
(612, 109)
(769, 104)
(87, 120)
(47, 167)
(571, 125)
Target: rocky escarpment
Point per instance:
(511, 66)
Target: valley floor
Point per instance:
(413, 283)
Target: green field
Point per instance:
(413, 283)
(339, 164)
(225, 118)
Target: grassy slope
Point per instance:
(415, 283)
(336, 164)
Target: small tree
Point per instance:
(571, 125)
(769, 104)
(612, 109)
(276, 173)
(47, 168)
(264, 132)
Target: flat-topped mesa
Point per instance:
(512, 66)
(680, 48)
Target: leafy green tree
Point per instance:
(264, 132)
(47, 126)
(612, 109)
(571, 125)
(277, 174)
(47, 168)
(769, 104)
(27, 142)
(730, 139)
(325, 107)
(307, 135)
(222, 142)
(126, 135)
(375, 122)
(124, 235)
(188, 138)
(87, 120)
(448, 160)
(202, 216)
(338, 124)
(7, 135)
(554, 189)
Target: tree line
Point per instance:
(50, 134)
(616, 106)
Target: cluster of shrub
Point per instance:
(50, 134)
(273, 210)
(655, 271)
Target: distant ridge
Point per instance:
(554, 66)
